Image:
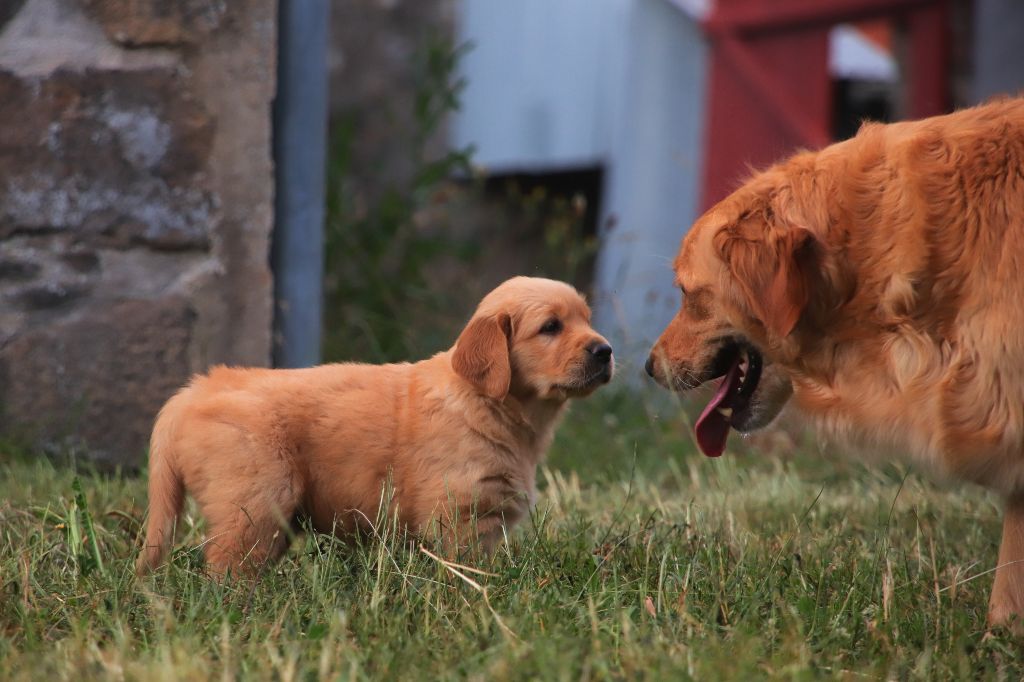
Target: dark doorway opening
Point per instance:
(556, 215)
(855, 101)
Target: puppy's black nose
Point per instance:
(602, 352)
(649, 365)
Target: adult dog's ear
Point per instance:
(482, 354)
(774, 269)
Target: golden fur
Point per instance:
(458, 435)
(882, 279)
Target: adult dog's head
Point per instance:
(531, 338)
(747, 270)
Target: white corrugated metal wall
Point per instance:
(555, 84)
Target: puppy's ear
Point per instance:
(773, 267)
(482, 354)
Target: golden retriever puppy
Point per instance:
(877, 284)
(458, 436)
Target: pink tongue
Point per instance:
(712, 428)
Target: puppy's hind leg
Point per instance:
(250, 530)
(1006, 605)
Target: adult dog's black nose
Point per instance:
(602, 352)
(649, 365)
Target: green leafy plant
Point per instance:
(567, 251)
(82, 533)
(377, 255)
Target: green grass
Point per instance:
(643, 560)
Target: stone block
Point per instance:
(141, 23)
(95, 380)
(116, 157)
(18, 269)
(8, 9)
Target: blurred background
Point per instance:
(191, 182)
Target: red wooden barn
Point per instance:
(771, 89)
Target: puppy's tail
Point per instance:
(166, 494)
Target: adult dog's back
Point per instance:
(926, 238)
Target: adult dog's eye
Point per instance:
(552, 326)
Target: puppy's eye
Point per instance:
(551, 327)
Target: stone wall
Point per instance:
(136, 189)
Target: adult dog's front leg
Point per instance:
(1006, 606)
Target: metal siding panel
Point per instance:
(998, 48)
(536, 87)
(652, 180)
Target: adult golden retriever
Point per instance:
(458, 436)
(878, 284)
